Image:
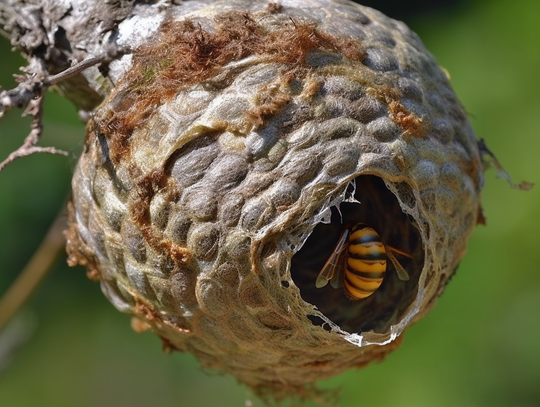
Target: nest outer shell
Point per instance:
(190, 218)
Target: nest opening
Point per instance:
(378, 208)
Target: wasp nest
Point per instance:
(220, 172)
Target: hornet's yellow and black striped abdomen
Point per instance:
(366, 262)
(358, 263)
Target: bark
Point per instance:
(56, 35)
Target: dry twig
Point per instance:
(35, 109)
(29, 93)
(36, 82)
(35, 271)
(501, 173)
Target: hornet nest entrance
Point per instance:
(378, 208)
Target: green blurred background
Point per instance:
(480, 346)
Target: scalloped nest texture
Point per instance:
(217, 177)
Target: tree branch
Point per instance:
(37, 81)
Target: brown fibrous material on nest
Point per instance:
(188, 54)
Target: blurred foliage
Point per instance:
(478, 347)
